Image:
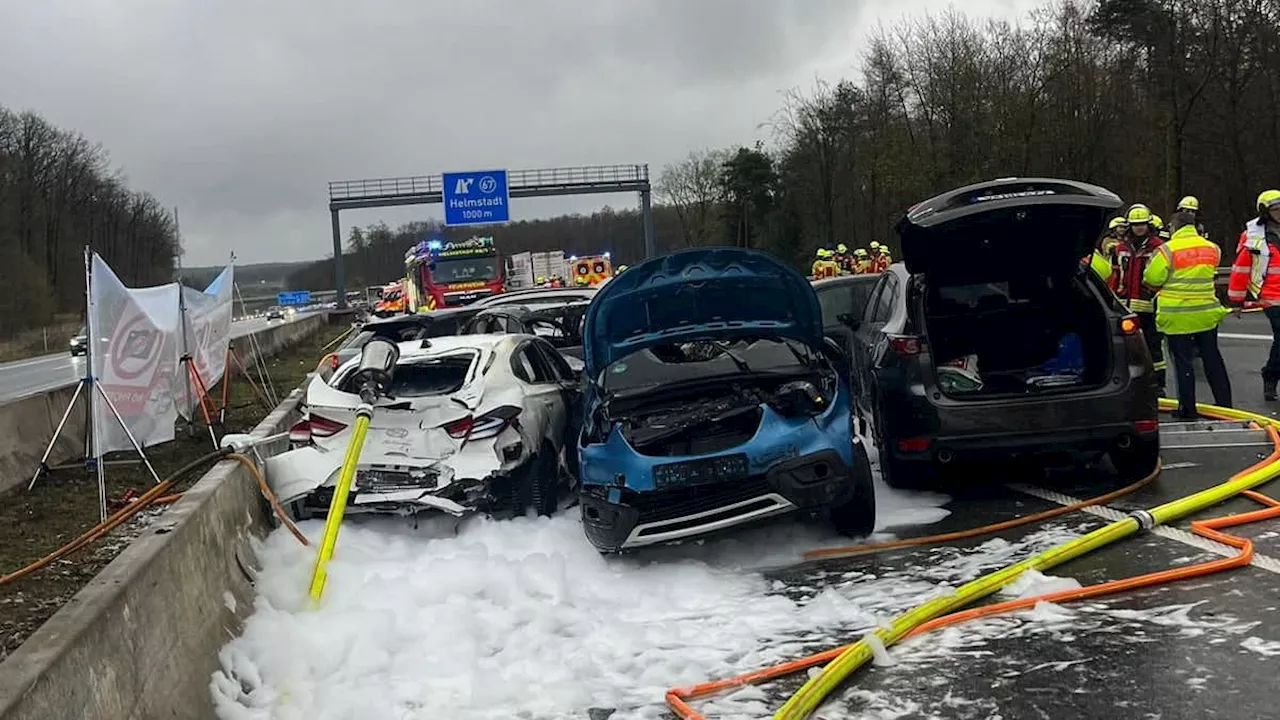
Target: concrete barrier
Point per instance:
(27, 424)
(141, 639)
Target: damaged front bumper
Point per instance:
(384, 487)
(617, 518)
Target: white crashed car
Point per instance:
(471, 424)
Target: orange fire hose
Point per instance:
(156, 496)
(677, 698)
(977, 531)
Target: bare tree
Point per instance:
(692, 188)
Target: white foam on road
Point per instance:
(525, 619)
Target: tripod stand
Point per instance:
(88, 386)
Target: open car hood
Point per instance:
(699, 293)
(989, 230)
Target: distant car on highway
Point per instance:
(972, 350)
(80, 343)
(275, 313)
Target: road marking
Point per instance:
(1265, 562)
(1244, 336)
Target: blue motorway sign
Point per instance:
(479, 197)
(297, 297)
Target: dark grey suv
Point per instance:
(992, 340)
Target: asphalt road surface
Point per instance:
(1200, 648)
(33, 376)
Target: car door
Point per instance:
(544, 391)
(570, 384)
(869, 339)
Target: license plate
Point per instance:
(387, 480)
(698, 472)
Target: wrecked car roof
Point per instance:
(699, 293)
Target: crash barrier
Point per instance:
(141, 640)
(840, 663)
(26, 424)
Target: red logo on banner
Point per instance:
(135, 348)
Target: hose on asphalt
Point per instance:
(842, 662)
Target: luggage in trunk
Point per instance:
(1033, 335)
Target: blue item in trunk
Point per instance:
(1070, 358)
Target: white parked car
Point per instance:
(472, 423)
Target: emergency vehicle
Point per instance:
(391, 302)
(594, 269)
(451, 274)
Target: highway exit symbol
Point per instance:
(477, 197)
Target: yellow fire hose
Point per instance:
(338, 505)
(815, 691)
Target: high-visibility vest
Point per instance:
(1100, 265)
(1183, 270)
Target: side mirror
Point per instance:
(849, 321)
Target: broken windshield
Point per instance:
(702, 359)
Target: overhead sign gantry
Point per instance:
(484, 197)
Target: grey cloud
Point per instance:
(239, 112)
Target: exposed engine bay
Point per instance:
(722, 416)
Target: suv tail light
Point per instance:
(485, 426)
(905, 344)
(313, 427)
(1129, 325)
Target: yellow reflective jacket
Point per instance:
(1183, 269)
(1100, 265)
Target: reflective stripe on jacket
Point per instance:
(1183, 270)
(1256, 270)
(1129, 263)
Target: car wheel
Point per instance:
(1138, 460)
(544, 480)
(857, 516)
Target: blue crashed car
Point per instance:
(712, 399)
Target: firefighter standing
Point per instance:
(1157, 225)
(861, 261)
(1257, 271)
(1115, 231)
(1129, 260)
(818, 269)
(881, 259)
(1188, 311)
(843, 259)
(1191, 204)
(825, 266)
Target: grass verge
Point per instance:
(65, 503)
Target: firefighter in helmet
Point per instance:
(1115, 231)
(1132, 254)
(1157, 224)
(1191, 204)
(861, 261)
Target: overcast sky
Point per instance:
(239, 112)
